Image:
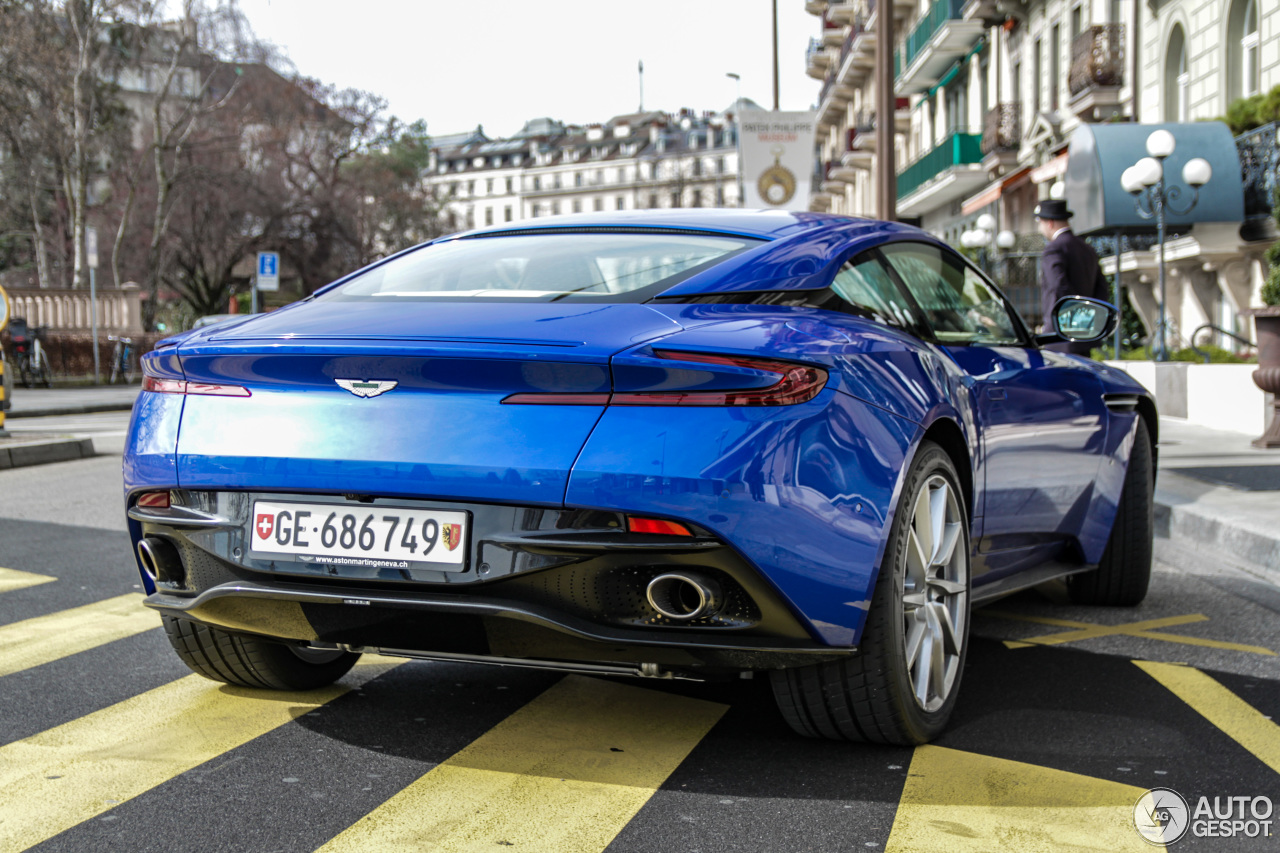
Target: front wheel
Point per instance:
(247, 661)
(43, 373)
(1124, 572)
(901, 686)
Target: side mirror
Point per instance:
(1084, 320)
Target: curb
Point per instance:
(87, 409)
(42, 452)
(1215, 538)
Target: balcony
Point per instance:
(857, 54)
(833, 32)
(815, 7)
(950, 171)
(1097, 72)
(1001, 136)
(842, 11)
(836, 176)
(939, 38)
(832, 100)
(816, 60)
(860, 141)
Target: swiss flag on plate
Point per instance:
(265, 524)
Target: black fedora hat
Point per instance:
(1053, 208)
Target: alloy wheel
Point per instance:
(935, 594)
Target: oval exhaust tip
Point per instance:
(683, 596)
(160, 560)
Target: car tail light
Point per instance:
(797, 383)
(656, 525)
(181, 386)
(158, 500)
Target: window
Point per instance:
(488, 216)
(620, 203)
(577, 179)
(545, 267)
(675, 198)
(577, 205)
(1037, 76)
(1055, 65)
(597, 203)
(869, 290)
(537, 183)
(1076, 21)
(697, 198)
(697, 167)
(1242, 50)
(555, 207)
(719, 165)
(507, 214)
(1177, 78)
(653, 200)
(488, 186)
(719, 196)
(510, 186)
(958, 304)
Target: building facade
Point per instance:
(639, 160)
(988, 94)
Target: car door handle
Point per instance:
(996, 394)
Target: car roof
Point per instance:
(763, 224)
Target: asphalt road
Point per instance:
(1067, 715)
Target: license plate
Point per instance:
(367, 536)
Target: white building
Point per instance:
(990, 91)
(640, 160)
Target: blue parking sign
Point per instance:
(268, 271)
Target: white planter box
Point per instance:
(1218, 396)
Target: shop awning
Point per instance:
(1101, 152)
(992, 193)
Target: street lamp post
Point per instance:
(1145, 181)
(989, 243)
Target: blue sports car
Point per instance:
(686, 444)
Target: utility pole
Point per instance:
(775, 56)
(886, 160)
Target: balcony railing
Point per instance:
(1097, 58)
(958, 149)
(1002, 128)
(940, 12)
(1259, 163)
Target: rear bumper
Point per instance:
(538, 585)
(442, 625)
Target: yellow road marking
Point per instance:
(1143, 630)
(51, 781)
(11, 579)
(37, 641)
(959, 801)
(565, 773)
(1238, 719)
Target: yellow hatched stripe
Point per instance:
(51, 781)
(11, 579)
(1238, 719)
(564, 774)
(37, 641)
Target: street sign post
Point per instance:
(4, 377)
(91, 257)
(268, 278)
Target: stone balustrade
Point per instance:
(62, 310)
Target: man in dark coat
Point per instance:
(1068, 267)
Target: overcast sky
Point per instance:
(459, 63)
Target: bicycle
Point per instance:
(121, 359)
(33, 361)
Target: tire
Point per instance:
(247, 661)
(24, 371)
(880, 695)
(44, 370)
(1124, 572)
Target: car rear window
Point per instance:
(609, 267)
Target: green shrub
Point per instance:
(1217, 355)
(1271, 288)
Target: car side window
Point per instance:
(958, 303)
(868, 287)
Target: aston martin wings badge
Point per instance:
(367, 387)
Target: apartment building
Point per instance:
(637, 160)
(989, 93)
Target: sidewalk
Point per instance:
(1219, 496)
(41, 402)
